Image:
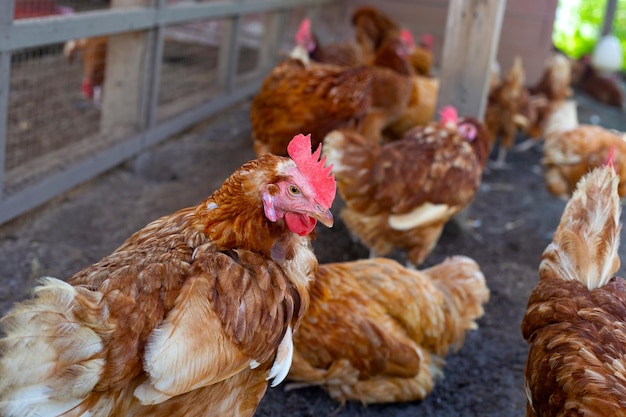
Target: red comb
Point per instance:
(309, 164)
(304, 32)
(448, 114)
(406, 36)
(427, 40)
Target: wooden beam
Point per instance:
(609, 15)
(470, 46)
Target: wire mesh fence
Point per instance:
(189, 66)
(84, 91)
(47, 114)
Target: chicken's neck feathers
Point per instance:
(233, 217)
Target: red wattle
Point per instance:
(300, 223)
(87, 89)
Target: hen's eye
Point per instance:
(293, 190)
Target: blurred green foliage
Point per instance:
(578, 25)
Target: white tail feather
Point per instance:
(585, 244)
(49, 360)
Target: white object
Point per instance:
(608, 55)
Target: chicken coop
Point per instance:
(163, 65)
(114, 113)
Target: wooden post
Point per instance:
(123, 94)
(609, 15)
(228, 58)
(6, 20)
(470, 46)
(275, 24)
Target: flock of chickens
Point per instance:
(193, 314)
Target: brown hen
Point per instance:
(303, 96)
(606, 89)
(93, 58)
(575, 322)
(372, 28)
(189, 317)
(378, 332)
(346, 54)
(392, 86)
(547, 94)
(395, 96)
(571, 150)
(401, 194)
(509, 110)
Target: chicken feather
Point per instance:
(189, 316)
(571, 150)
(575, 321)
(420, 108)
(378, 332)
(372, 28)
(94, 58)
(401, 194)
(314, 98)
(509, 110)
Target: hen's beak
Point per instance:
(323, 215)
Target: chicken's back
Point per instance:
(345, 54)
(372, 27)
(391, 92)
(575, 321)
(88, 335)
(400, 194)
(137, 332)
(421, 107)
(443, 168)
(397, 177)
(377, 331)
(422, 61)
(569, 155)
(313, 99)
(377, 343)
(576, 356)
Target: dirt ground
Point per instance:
(513, 218)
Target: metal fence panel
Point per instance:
(158, 69)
